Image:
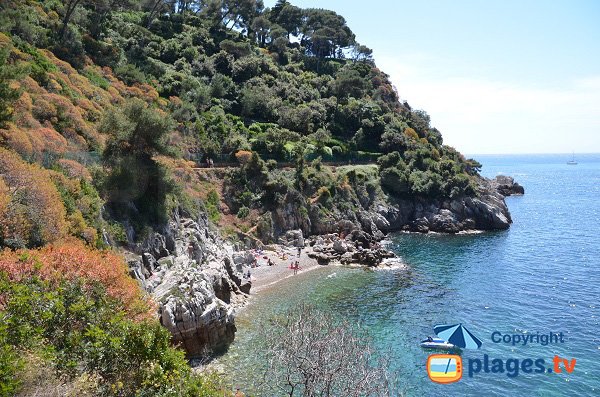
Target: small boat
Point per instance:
(437, 343)
(572, 161)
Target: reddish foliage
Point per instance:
(72, 260)
(74, 169)
(17, 140)
(35, 213)
(243, 156)
(52, 141)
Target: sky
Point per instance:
(509, 76)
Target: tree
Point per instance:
(473, 166)
(290, 18)
(324, 32)
(362, 53)
(100, 11)
(154, 7)
(276, 10)
(138, 132)
(261, 26)
(69, 8)
(233, 13)
(309, 353)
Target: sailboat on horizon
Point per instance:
(572, 161)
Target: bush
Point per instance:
(243, 212)
(243, 156)
(425, 183)
(324, 195)
(80, 329)
(96, 79)
(10, 364)
(74, 260)
(34, 214)
(212, 204)
(130, 74)
(394, 180)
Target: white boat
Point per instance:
(437, 343)
(572, 161)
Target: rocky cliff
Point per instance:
(378, 213)
(195, 280)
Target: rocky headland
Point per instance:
(378, 213)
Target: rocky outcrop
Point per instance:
(506, 186)
(196, 281)
(382, 213)
(357, 247)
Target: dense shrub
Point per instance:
(212, 204)
(34, 214)
(73, 260)
(81, 330)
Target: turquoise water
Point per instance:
(542, 275)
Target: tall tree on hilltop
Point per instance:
(233, 13)
(324, 32)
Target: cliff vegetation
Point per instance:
(109, 110)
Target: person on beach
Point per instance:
(299, 251)
(296, 267)
(239, 393)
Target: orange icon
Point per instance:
(444, 368)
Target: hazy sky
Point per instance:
(509, 76)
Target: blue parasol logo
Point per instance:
(458, 336)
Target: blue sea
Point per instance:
(540, 276)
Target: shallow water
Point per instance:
(542, 276)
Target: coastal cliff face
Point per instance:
(192, 275)
(378, 213)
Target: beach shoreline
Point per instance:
(264, 276)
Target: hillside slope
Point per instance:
(109, 110)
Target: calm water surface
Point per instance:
(542, 275)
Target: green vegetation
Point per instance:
(214, 78)
(107, 106)
(212, 206)
(137, 134)
(80, 333)
(7, 94)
